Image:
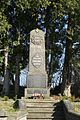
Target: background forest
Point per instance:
(59, 19)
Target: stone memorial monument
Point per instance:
(37, 77)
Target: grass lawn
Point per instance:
(76, 106)
(7, 105)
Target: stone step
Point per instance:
(39, 105)
(45, 117)
(44, 109)
(40, 118)
(40, 109)
(40, 112)
(40, 115)
(40, 101)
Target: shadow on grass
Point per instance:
(58, 113)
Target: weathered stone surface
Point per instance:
(37, 80)
(44, 109)
(37, 76)
(3, 113)
(37, 51)
(22, 105)
(30, 91)
(21, 115)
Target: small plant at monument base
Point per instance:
(72, 98)
(64, 98)
(5, 98)
(16, 105)
(15, 98)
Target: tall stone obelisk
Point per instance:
(37, 77)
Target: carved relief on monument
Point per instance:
(36, 40)
(36, 60)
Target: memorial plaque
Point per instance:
(37, 76)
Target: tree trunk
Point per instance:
(47, 51)
(17, 76)
(48, 19)
(50, 70)
(66, 77)
(6, 73)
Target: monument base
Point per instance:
(37, 80)
(30, 91)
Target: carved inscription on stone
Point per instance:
(36, 40)
(37, 60)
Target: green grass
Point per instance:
(7, 104)
(76, 106)
(75, 102)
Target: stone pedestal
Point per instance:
(37, 80)
(43, 91)
(37, 77)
